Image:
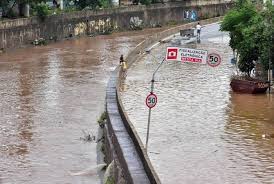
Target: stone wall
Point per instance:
(123, 145)
(21, 32)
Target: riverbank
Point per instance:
(22, 32)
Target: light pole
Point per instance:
(151, 92)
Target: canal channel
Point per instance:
(51, 97)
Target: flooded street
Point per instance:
(201, 132)
(51, 98)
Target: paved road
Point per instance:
(202, 132)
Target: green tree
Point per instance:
(267, 46)
(42, 10)
(93, 4)
(8, 5)
(250, 32)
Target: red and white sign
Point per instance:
(213, 59)
(186, 55)
(171, 53)
(193, 55)
(151, 100)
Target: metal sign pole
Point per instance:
(151, 91)
(148, 125)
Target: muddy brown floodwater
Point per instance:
(201, 132)
(50, 97)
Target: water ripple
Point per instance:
(201, 132)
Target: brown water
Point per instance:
(50, 97)
(201, 132)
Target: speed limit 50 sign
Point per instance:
(213, 59)
(151, 100)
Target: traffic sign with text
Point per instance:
(186, 55)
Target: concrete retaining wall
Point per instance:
(21, 32)
(123, 144)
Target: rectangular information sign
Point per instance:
(186, 55)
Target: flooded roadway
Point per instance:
(52, 96)
(201, 132)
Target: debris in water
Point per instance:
(267, 136)
(89, 171)
(88, 137)
(157, 153)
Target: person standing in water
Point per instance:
(123, 63)
(121, 59)
(198, 28)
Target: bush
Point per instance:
(102, 119)
(42, 10)
(145, 2)
(105, 3)
(84, 4)
(70, 9)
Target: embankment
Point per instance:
(21, 32)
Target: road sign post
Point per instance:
(151, 101)
(183, 55)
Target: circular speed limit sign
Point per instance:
(151, 100)
(213, 59)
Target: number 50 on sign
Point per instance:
(213, 59)
(151, 100)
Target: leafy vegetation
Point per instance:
(102, 119)
(42, 11)
(8, 6)
(92, 4)
(40, 8)
(251, 30)
(145, 2)
(105, 3)
(110, 180)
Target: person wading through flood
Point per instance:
(123, 63)
(198, 27)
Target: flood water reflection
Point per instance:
(49, 96)
(201, 132)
